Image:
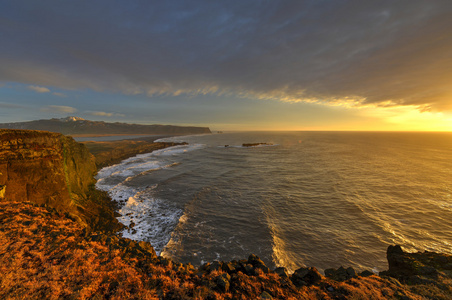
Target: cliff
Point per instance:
(74, 125)
(51, 169)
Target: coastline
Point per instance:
(108, 153)
(47, 253)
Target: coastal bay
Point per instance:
(293, 202)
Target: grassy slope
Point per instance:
(113, 152)
(46, 255)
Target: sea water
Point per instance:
(322, 199)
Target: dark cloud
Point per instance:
(10, 105)
(369, 52)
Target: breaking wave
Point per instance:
(146, 216)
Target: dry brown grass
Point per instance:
(45, 255)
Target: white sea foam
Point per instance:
(147, 217)
(176, 150)
(126, 168)
(152, 219)
(281, 256)
(145, 162)
(179, 138)
(174, 241)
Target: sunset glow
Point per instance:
(300, 65)
(296, 149)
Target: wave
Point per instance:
(177, 150)
(147, 218)
(179, 138)
(281, 257)
(142, 162)
(174, 241)
(126, 165)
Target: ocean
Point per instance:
(323, 199)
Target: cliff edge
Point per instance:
(51, 169)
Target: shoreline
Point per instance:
(399, 271)
(108, 153)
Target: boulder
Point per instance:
(216, 265)
(416, 268)
(351, 272)
(366, 273)
(228, 267)
(258, 263)
(340, 274)
(222, 282)
(403, 264)
(282, 272)
(306, 276)
(248, 269)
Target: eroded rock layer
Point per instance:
(50, 169)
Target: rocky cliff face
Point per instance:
(48, 168)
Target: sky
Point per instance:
(230, 65)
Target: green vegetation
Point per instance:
(109, 153)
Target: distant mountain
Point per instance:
(76, 125)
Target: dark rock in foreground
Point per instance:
(421, 268)
(341, 274)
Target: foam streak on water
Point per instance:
(321, 199)
(147, 217)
